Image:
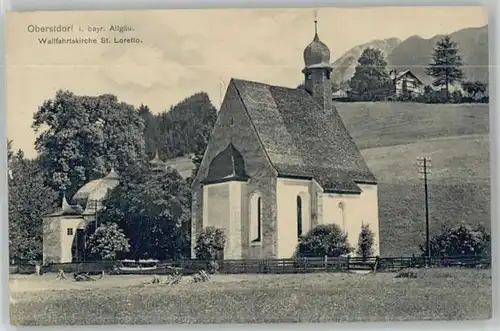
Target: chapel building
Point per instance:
(279, 162)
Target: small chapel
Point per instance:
(278, 163)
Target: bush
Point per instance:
(365, 242)
(210, 243)
(107, 242)
(464, 240)
(324, 240)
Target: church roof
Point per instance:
(228, 164)
(303, 140)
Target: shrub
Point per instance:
(107, 242)
(210, 243)
(464, 240)
(324, 240)
(365, 241)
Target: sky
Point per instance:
(188, 51)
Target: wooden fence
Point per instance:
(272, 266)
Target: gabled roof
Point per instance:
(303, 140)
(227, 165)
(408, 72)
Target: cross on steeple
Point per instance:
(315, 21)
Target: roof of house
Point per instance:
(408, 72)
(66, 209)
(303, 140)
(96, 190)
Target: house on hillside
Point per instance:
(341, 93)
(279, 162)
(406, 83)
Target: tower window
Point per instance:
(299, 217)
(231, 120)
(308, 76)
(328, 75)
(69, 231)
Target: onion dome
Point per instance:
(316, 53)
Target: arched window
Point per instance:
(255, 219)
(299, 216)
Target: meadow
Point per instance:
(329, 297)
(391, 135)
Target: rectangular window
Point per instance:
(69, 231)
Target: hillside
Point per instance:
(414, 53)
(344, 66)
(391, 136)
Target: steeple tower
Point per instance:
(156, 163)
(317, 70)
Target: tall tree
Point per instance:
(154, 210)
(151, 131)
(187, 126)
(446, 64)
(29, 200)
(81, 137)
(370, 81)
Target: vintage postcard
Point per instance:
(248, 165)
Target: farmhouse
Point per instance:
(406, 83)
(279, 162)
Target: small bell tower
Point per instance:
(317, 70)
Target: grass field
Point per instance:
(437, 294)
(391, 135)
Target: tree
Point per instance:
(151, 131)
(324, 240)
(210, 243)
(473, 88)
(446, 64)
(370, 81)
(107, 242)
(81, 137)
(464, 240)
(196, 159)
(365, 242)
(154, 210)
(187, 126)
(29, 200)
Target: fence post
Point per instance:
(326, 262)
(348, 262)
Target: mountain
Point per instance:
(344, 66)
(415, 53)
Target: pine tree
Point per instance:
(446, 64)
(365, 242)
(370, 81)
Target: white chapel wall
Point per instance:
(349, 211)
(222, 209)
(286, 195)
